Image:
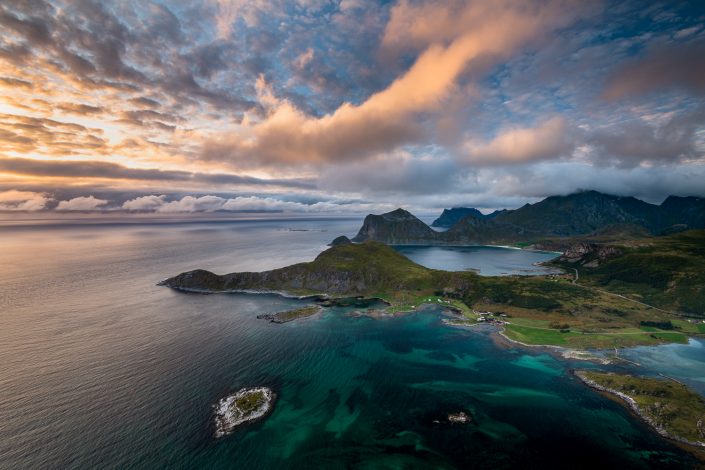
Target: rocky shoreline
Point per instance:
(291, 315)
(634, 407)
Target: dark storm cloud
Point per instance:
(662, 67)
(97, 169)
(77, 108)
(16, 82)
(638, 142)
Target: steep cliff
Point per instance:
(398, 227)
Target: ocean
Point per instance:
(101, 368)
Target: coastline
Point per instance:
(696, 447)
(564, 353)
(288, 295)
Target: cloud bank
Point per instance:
(304, 106)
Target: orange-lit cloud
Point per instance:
(23, 201)
(549, 140)
(388, 118)
(156, 106)
(81, 203)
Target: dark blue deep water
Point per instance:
(100, 368)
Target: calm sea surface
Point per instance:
(100, 368)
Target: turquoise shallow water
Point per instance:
(100, 368)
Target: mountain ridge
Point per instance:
(577, 214)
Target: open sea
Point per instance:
(100, 368)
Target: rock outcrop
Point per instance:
(589, 255)
(398, 227)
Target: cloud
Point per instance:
(388, 118)
(211, 203)
(552, 178)
(106, 170)
(398, 173)
(549, 140)
(229, 11)
(304, 59)
(661, 68)
(14, 200)
(25, 134)
(637, 142)
(78, 108)
(145, 203)
(81, 203)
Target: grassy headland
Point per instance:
(669, 407)
(548, 310)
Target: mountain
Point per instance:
(450, 217)
(398, 227)
(347, 269)
(689, 211)
(574, 215)
(582, 213)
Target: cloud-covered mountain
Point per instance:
(582, 213)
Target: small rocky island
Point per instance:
(247, 405)
(460, 417)
(291, 315)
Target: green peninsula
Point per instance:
(672, 409)
(543, 310)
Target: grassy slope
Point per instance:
(540, 310)
(670, 406)
(667, 272)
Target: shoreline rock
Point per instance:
(634, 407)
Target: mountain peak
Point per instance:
(450, 217)
(396, 227)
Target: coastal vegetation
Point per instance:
(540, 310)
(667, 272)
(671, 408)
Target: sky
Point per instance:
(346, 106)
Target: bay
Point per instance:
(101, 368)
